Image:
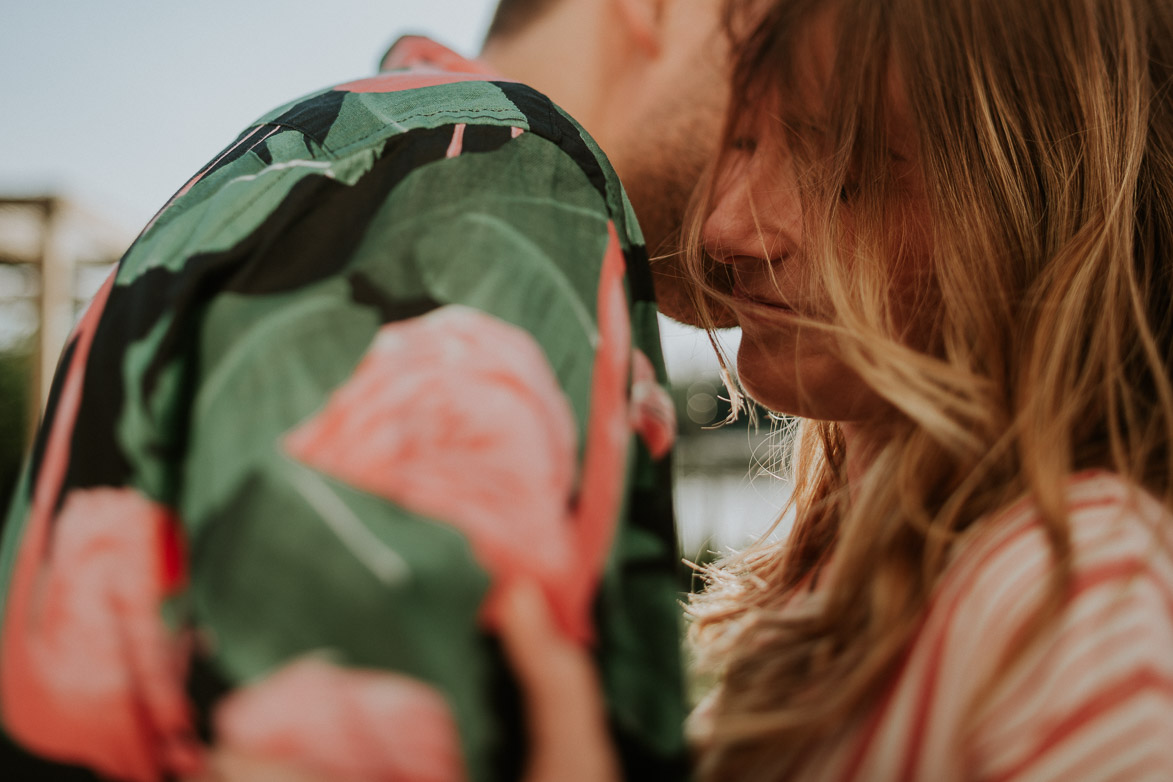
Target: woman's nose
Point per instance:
(757, 214)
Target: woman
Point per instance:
(945, 228)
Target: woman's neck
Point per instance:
(861, 443)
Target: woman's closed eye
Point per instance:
(744, 144)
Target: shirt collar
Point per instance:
(416, 51)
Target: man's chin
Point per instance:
(680, 307)
(676, 295)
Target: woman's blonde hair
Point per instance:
(1045, 136)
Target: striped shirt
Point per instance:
(1090, 701)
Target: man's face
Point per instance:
(671, 132)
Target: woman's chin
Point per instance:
(816, 387)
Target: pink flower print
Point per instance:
(91, 674)
(457, 415)
(653, 415)
(343, 725)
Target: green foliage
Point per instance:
(15, 369)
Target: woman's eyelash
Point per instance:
(743, 144)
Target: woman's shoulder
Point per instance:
(1050, 688)
(1093, 693)
(986, 692)
(1002, 576)
(1116, 532)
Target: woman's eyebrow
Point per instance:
(805, 127)
(804, 123)
(819, 128)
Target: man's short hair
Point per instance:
(513, 15)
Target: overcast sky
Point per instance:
(118, 102)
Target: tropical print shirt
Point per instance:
(393, 346)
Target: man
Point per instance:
(391, 349)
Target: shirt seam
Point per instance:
(511, 120)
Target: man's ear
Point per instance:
(644, 22)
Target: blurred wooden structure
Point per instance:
(57, 253)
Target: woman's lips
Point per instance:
(744, 298)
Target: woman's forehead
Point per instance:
(807, 102)
(816, 47)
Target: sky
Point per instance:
(116, 103)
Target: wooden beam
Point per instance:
(57, 284)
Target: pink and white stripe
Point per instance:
(1092, 701)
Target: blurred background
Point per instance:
(111, 105)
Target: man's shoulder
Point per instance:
(396, 112)
(446, 133)
(360, 114)
(369, 110)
